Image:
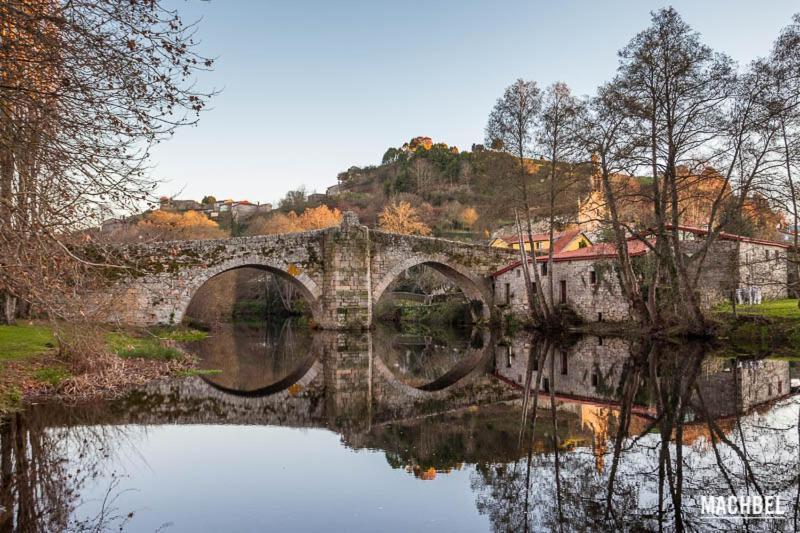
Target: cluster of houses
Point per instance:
(584, 274)
(238, 209)
(230, 210)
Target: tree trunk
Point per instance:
(8, 308)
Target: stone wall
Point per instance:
(591, 368)
(597, 297)
(765, 267)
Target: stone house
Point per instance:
(740, 262)
(586, 280)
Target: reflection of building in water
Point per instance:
(587, 377)
(729, 387)
(590, 369)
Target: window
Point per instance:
(533, 288)
(766, 254)
(593, 277)
(544, 269)
(564, 362)
(509, 356)
(780, 387)
(599, 341)
(546, 385)
(595, 379)
(508, 293)
(563, 291)
(599, 317)
(535, 364)
(769, 389)
(519, 272)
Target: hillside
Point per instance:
(459, 194)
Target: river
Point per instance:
(447, 430)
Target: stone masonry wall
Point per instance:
(765, 267)
(589, 300)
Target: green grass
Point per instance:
(774, 309)
(126, 345)
(52, 375)
(24, 341)
(10, 399)
(198, 372)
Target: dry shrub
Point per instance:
(97, 371)
(82, 346)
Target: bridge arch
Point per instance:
(310, 290)
(473, 286)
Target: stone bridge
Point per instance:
(342, 271)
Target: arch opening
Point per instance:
(251, 293)
(254, 361)
(430, 290)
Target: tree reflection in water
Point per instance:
(585, 435)
(682, 424)
(48, 457)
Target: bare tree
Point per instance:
(510, 128)
(87, 87)
(556, 137)
(784, 101)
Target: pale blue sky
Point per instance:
(313, 87)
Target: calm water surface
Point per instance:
(451, 430)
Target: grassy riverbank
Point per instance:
(38, 359)
(771, 328)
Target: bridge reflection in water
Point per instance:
(588, 434)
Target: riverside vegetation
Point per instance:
(39, 359)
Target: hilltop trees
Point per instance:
(86, 89)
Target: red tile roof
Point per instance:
(635, 247)
(589, 253)
(728, 236)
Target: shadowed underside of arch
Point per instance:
(307, 287)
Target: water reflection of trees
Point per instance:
(250, 357)
(45, 467)
(683, 425)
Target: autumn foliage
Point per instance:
(169, 225)
(310, 219)
(469, 216)
(401, 217)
